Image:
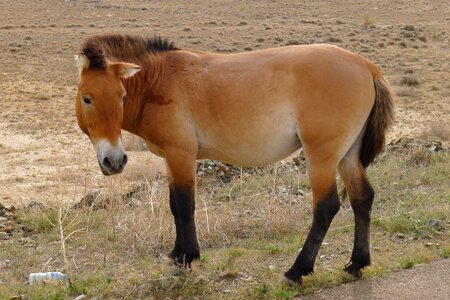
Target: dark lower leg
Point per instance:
(179, 234)
(325, 210)
(186, 245)
(361, 248)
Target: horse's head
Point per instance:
(99, 109)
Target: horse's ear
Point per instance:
(124, 70)
(82, 62)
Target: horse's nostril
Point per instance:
(106, 163)
(125, 159)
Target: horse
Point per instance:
(248, 109)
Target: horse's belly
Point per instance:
(274, 149)
(256, 142)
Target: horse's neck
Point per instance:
(139, 91)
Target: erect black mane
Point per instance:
(119, 47)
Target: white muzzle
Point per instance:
(111, 158)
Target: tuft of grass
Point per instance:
(409, 262)
(234, 253)
(417, 225)
(271, 248)
(368, 20)
(409, 28)
(90, 285)
(409, 80)
(444, 252)
(375, 271)
(39, 220)
(419, 158)
(284, 294)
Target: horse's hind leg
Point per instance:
(361, 196)
(322, 176)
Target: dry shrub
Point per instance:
(138, 221)
(409, 81)
(259, 218)
(257, 209)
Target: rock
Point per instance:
(12, 209)
(333, 40)
(3, 210)
(88, 200)
(9, 227)
(34, 204)
(135, 195)
(5, 263)
(400, 236)
(26, 241)
(436, 148)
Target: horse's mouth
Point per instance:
(111, 171)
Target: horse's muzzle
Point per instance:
(111, 158)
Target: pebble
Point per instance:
(400, 236)
(6, 263)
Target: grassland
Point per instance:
(250, 229)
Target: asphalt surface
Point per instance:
(427, 281)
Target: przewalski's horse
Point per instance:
(248, 109)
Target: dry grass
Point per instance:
(250, 230)
(132, 142)
(438, 129)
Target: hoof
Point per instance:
(174, 254)
(184, 260)
(295, 276)
(354, 268)
(292, 283)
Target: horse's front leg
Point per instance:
(181, 166)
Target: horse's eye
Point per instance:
(86, 100)
(124, 97)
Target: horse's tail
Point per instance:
(380, 119)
